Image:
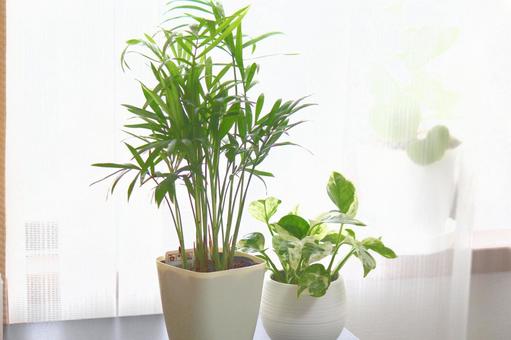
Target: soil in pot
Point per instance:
(173, 259)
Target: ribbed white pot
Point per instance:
(220, 305)
(286, 317)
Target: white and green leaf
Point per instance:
(252, 243)
(313, 280)
(342, 194)
(264, 209)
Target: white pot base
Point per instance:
(286, 317)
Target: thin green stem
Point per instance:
(337, 246)
(341, 264)
(177, 226)
(275, 270)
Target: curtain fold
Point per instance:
(2, 158)
(407, 148)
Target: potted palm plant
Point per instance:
(304, 297)
(200, 141)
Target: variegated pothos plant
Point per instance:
(308, 250)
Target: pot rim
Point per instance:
(268, 277)
(259, 265)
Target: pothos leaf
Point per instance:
(342, 193)
(313, 280)
(263, 210)
(252, 243)
(318, 230)
(313, 250)
(361, 252)
(368, 261)
(338, 217)
(288, 248)
(376, 245)
(295, 225)
(333, 237)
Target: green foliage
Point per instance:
(402, 108)
(430, 149)
(263, 210)
(342, 193)
(300, 245)
(294, 225)
(252, 243)
(198, 126)
(314, 280)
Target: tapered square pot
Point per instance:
(222, 305)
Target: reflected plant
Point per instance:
(401, 107)
(200, 128)
(301, 244)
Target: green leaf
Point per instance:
(132, 185)
(333, 237)
(252, 243)
(342, 193)
(339, 218)
(196, 8)
(350, 233)
(167, 186)
(313, 250)
(259, 38)
(221, 74)
(150, 39)
(360, 251)
(226, 125)
(141, 112)
(227, 31)
(135, 154)
(260, 173)
(430, 149)
(134, 42)
(250, 74)
(318, 230)
(376, 245)
(263, 210)
(238, 52)
(259, 106)
(116, 181)
(368, 261)
(288, 248)
(150, 161)
(313, 280)
(208, 73)
(117, 166)
(294, 225)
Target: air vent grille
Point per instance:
(43, 297)
(42, 271)
(41, 237)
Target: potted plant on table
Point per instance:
(304, 298)
(201, 140)
(411, 116)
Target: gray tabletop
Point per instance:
(147, 327)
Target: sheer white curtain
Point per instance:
(74, 254)
(69, 248)
(409, 96)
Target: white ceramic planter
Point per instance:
(286, 317)
(219, 305)
(424, 196)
